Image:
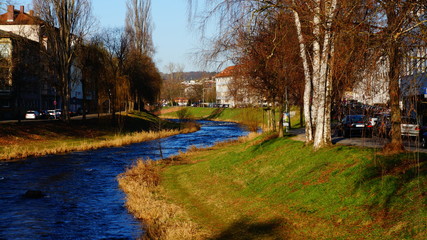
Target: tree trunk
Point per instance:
(395, 58)
(84, 99)
(322, 137)
(301, 116)
(316, 65)
(308, 85)
(281, 115)
(273, 116)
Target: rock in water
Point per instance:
(34, 194)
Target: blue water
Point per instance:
(82, 199)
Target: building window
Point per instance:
(4, 103)
(5, 49)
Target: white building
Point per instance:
(222, 81)
(21, 23)
(373, 88)
(233, 91)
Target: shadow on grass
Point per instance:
(247, 230)
(215, 114)
(266, 142)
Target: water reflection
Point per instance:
(82, 197)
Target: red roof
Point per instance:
(228, 72)
(20, 18)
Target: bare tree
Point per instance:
(402, 21)
(116, 45)
(316, 24)
(90, 60)
(139, 26)
(66, 23)
(172, 86)
(5, 3)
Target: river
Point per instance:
(81, 198)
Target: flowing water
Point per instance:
(81, 198)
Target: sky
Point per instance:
(173, 39)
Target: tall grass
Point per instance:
(162, 220)
(64, 146)
(250, 119)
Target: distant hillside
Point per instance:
(190, 75)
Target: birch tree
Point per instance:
(307, 78)
(316, 36)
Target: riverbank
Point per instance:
(247, 116)
(269, 188)
(32, 139)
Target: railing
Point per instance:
(5, 91)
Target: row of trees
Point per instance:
(115, 66)
(313, 51)
(175, 86)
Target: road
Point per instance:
(79, 117)
(374, 142)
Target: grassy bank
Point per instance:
(257, 115)
(52, 137)
(268, 188)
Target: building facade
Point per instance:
(222, 81)
(26, 81)
(232, 90)
(21, 76)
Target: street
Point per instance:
(374, 142)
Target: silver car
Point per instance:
(410, 127)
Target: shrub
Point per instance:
(183, 113)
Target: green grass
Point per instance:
(233, 114)
(279, 188)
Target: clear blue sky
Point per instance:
(173, 40)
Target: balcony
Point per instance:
(5, 91)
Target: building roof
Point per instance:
(228, 72)
(19, 17)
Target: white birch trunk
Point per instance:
(329, 88)
(307, 77)
(317, 60)
(322, 137)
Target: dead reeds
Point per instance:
(162, 220)
(146, 198)
(12, 152)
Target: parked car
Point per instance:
(54, 113)
(410, 127)
(352, 125)
(32, 114)
(44, 114)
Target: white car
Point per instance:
(32, 114)
(54, 113)
(410, 127)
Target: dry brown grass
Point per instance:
(12, 152)
(146, 198)
(162, 220)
